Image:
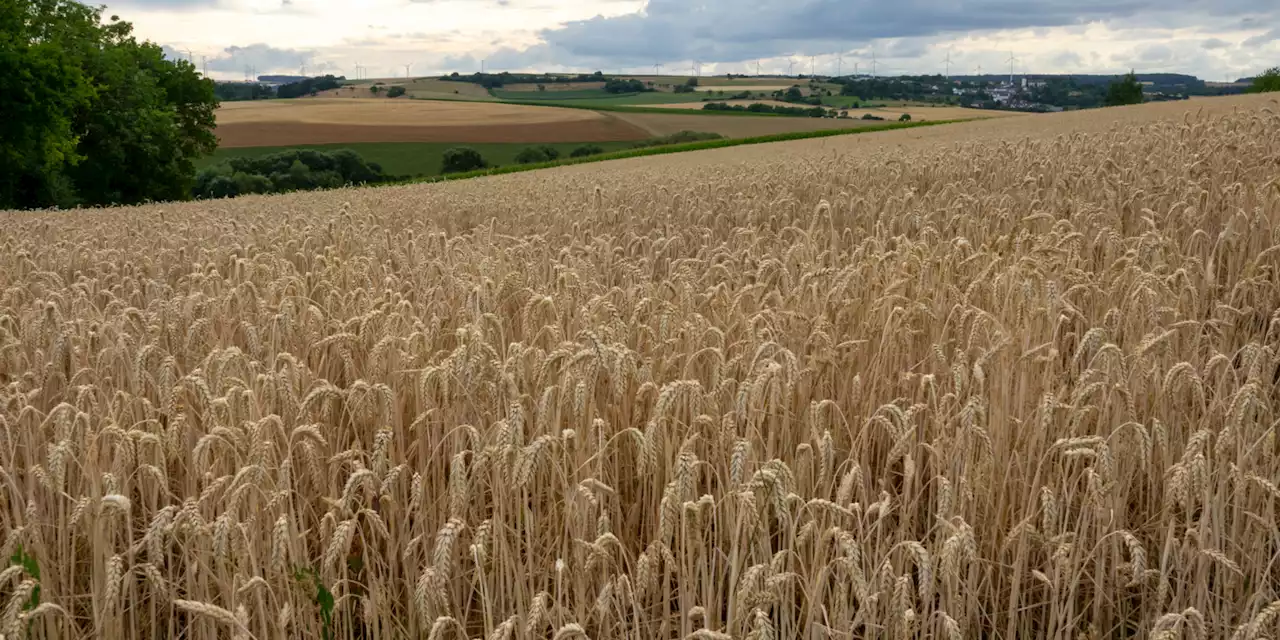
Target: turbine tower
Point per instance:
(839, 64)
(873, 64)
(791, 67)
(757, 68)
(406, 70)
(813, 66)
(948, 61)
(1012, 60)
(204, 65)
(657, 68)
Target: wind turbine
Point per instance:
(791, 67)
(406, 70)
(696, 69)
(979, 70)
(839, 64)
(873, 64)
(1012, 60)
(813, 66)
(204, 65)
(948, 61)
(757, 68)
(657, 68)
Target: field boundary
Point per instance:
(622, 108)
(673, 148)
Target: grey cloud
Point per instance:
(1067, 59)
(1264, 39)
(1215, 43)
(736, 30)
(265, 58)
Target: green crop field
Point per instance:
(576, 94)
(412, 158)
(598, 97)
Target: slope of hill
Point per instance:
(1010, 378)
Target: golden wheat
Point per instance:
(1002, 379)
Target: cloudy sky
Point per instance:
(1214, 39)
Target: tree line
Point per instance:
(91, 115)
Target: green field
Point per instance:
(412, 158)
(598, 97)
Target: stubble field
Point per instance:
(1009, 379)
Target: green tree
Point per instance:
(1267, 82)
(42, 88)
(459, 159)
(1126, 90)
(395, 91)
(101, 117)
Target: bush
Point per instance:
(677, 138)
(684, 88)
(460, 159)
(586, 150)
(906, 117)
(871, 117)
(533, 155)
(297, 170)
(395, 92)
(625, 86)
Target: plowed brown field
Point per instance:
(318, 121)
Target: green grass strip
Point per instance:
(588, 105)
(674, 148)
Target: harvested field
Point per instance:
(998, 379)
(270, 123)
(423, 88)
(734, 126)
(891, 113)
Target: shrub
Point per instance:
(294, 170)
(460, 159)
(532, 155)
(395, 91)
(906, 117)
(586, 150)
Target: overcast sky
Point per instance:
(1214, 39)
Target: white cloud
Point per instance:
(907, 36)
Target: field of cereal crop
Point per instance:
(1008, 378)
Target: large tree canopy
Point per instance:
(92, 116)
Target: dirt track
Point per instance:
(282, 134)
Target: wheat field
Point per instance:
(1008, 379)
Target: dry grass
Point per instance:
(1002, 379)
